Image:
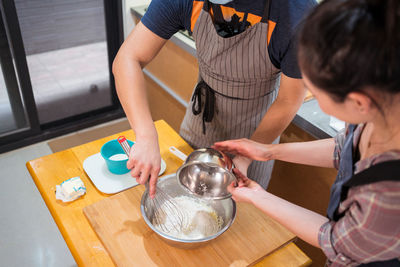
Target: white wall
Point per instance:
(127, 17)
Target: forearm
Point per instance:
(282, 111)
(139, 48)
(275, 121)
(302, 222)
(315, 153)
(131, 90)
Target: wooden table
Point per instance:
(85, 246)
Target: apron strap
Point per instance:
(388, 263)
(209, 104)
(206, 6)
(218, 16)
(345, 173)
(385, 171)
(244, 23)
(265, 16)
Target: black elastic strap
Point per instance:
(217, 12)
(265, 16)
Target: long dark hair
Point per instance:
(350, 45)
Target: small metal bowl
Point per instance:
(224, 208)
(209, 155)
(207, 173)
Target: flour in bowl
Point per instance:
(118, 157)
(201, 220)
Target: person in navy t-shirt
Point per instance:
(249, 86)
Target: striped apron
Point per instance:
(237, 85)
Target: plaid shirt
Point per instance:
(370, 228)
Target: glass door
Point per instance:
(55, 61)
(66, 50)
(18, 116)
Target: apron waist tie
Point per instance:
(208, 113)
(209, 104)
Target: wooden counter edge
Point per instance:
(291, 252)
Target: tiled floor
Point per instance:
(65, 82)
(28, 234)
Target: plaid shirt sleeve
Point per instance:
(370, 228)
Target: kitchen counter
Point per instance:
(309, 117)
(85, 245)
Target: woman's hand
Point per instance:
(145, 162)
(246, 190)
(246, 148)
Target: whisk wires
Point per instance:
(167, 214)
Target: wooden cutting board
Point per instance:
(130, 242)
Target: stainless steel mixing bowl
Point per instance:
(224, 208)
(207, 173)
(209, 155)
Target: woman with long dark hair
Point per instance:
(349, 55)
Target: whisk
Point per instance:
(162, 205)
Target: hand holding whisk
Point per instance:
(167, 214)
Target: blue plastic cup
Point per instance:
(114, 155)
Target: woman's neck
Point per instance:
(381, 134)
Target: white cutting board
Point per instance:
(107, 182)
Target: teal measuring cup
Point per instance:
(115, 157)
